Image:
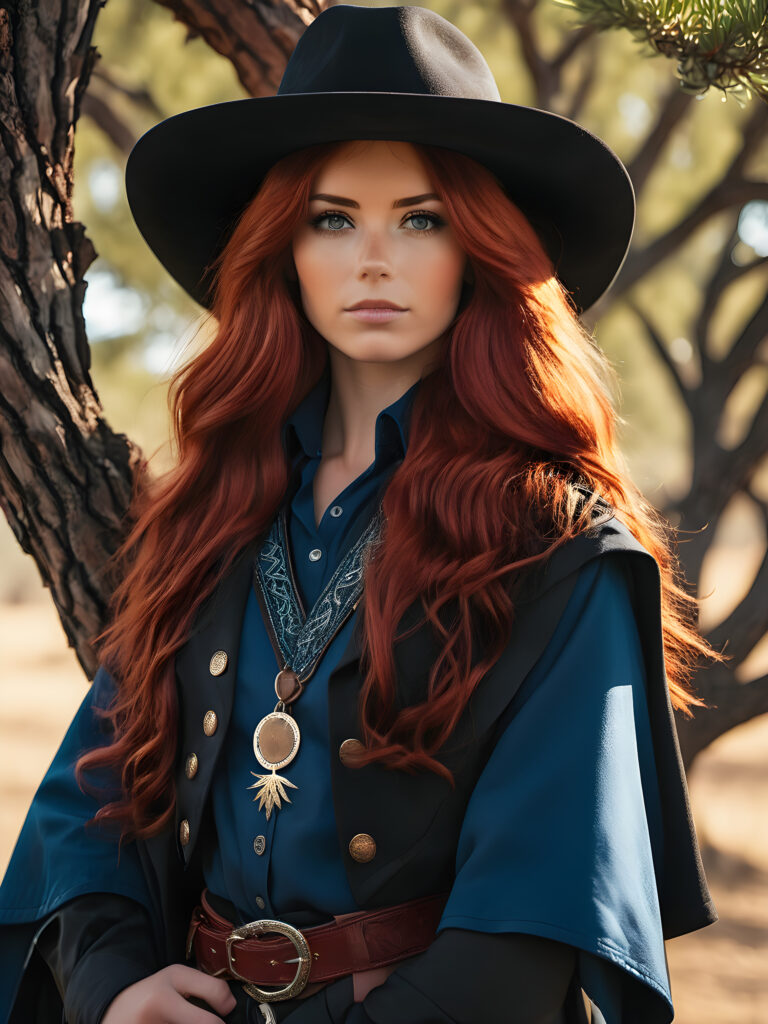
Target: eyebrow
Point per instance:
(408, 201)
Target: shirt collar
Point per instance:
(303, 430)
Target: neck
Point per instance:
(358, 393)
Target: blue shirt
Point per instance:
(300, 875)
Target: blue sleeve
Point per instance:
(56, 858)
(563, 828)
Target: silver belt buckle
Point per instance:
(299, 983)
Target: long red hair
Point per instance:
(517, 413)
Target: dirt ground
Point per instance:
(719, 974)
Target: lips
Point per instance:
(375, 304)
(376, 314)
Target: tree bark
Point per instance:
(257, 37)
(65, 476)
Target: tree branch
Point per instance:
(753, 137)
(663, 352)
(545, 76)
(723, 196)
(726, 272)
(729, 370)
(674, 107)
(584, 87)
(121, 135)
(140, 95)
(572, 43)
(257, 37)
(745, 458)
(746, 625)
(733, 704)
(733, 189)
(718, 473)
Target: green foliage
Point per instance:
(720, 43)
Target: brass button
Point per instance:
(259, 845)
(348, 747)
(190, 768)
(184, 832)
(260, 903)
(362, 847)
(218, 662)
(210, 723)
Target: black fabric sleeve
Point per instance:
(95, 946)
(464, 977)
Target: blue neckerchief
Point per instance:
(301, 640)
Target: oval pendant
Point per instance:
(276, 740)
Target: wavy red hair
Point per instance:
(518, 411)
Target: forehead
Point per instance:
(376, 164)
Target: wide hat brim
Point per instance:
(189, 177)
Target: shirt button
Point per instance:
(315, 554)
(218, 663)
(362, 847)
(336, 511)
(348, 747)
(259, 845)
(260, 903)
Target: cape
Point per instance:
(56, 858)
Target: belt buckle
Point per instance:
(256, 928)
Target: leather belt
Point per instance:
(358, 941)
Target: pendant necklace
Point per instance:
(299, 643)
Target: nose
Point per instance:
(373, 262)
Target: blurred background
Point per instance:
(694, 289)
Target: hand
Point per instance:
(162, 999)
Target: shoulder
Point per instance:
(596, 635)
(601, 606)
(606, 544)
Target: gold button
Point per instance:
(190, 769)
(362, 847)
(218, 662)
(184, 832)
(348, 747)
(210, 723)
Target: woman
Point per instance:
(398, 495)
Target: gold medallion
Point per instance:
(275, 743)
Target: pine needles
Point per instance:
(717, 43)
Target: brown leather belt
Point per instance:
(360, 941)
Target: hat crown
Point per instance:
(387, 49)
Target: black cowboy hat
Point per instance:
(402, 73)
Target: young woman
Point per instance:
(383, 726)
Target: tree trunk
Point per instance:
(65, 477)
